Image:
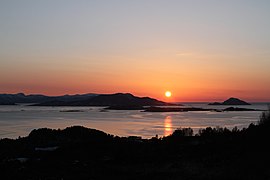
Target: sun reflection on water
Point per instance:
(167, 125)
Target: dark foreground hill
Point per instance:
(82, 153)
(231, 101)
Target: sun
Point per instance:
(168, 94)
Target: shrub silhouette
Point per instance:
(43, 136)
(180, 132)
(218, 131)
(265, 117)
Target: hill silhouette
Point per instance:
(115, 100)
(231, 101)
(12, 99)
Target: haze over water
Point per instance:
(19, 120)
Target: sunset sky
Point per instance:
(200, 50)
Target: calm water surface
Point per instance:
(21, 119)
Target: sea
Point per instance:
(19, 120)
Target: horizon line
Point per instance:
(94, 93)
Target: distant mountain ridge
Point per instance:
(116, 100)
(231, 101)
(12, 99)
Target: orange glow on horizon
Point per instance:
(113, 54)
(201, 83)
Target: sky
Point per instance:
(199, 50)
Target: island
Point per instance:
(72, 110)
(240, 109)
(231, 101)
(187, 109)
(7, 103)
(121, 107)
(174, 109)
